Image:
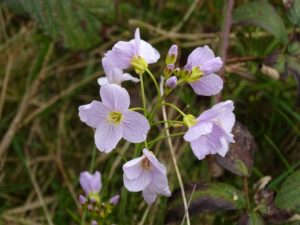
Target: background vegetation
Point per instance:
(49, 63)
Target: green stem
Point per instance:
(137, 109)
(151, 143)
(155, 82)
(174, 107)
(168, 121)
(93, 160)
(144, 102)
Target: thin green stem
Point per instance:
(151, 143)
(154, 81)
(93, 160)
(168, 121)
(137, 109)
(174, 107)
(144, 102)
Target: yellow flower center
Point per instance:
(139, 64)
(195, 74)
(115, 117)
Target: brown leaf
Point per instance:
(239, 159)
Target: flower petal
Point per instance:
(135, 127)
(137, 41)
(102, 81)
(93, 114)
(208, 85)
(200, 55)
(217, 110)
(155, 163)
(211, 66)
(127, 76)
(149, 197)
(107, 136)
(147, 52)
(115, 97)
(90, 182)
(194, 132)
(121, 54)
(132, 169)
(138, 183)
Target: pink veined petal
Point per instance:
(137, 41)
(194, 132)
(217, 110)
(135, 127)
(149, 197)
(138, 183)
(102, 81)
(199, 148)
(116, 75)
(211, 66)
(225, 147)
(200, 55)
(90, 182)
(227, 121)
(133, 168)
(208, 85)
(147, 52)
(107, 136)
(93, 114)
(115, 97)
(121, 54)
(155, 163)
(127, 76)
(107, 67)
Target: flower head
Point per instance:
(91, 184)
(113, 74)
(136, 52)
(202, 64)
(112, 118)
(146, 174)
(115, 199)
(210, 133)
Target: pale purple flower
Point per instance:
(211, 131)
(125, 53)
(146, 174)
(171, 82)
(113, 120)
(90, 183)
(114, 75)
(115, 199)
(202, 65)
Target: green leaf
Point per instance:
(74, 22)
(294, 13)
(251, 219)
(263, 15)
(288, 196)
(206, 197)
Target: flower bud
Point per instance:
(171, 82)
(168, 70)
(82, 199)
(172, 55)
(115, 200)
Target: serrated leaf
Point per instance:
(263, 15)
(70, 21)
(239, 159)
(206, 197)
(288, 196)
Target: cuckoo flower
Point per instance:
(210, 133)
(91, 184)
(113, 74)
(171, 82)
(136, 52)
(146, 174)
(113, 120)
(202, 64)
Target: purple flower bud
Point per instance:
(172, 55)
(90, 207)
(94, 222)
(115, 200)
(168, 70)
(171, 82)
(82, 199)
(90, 183)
